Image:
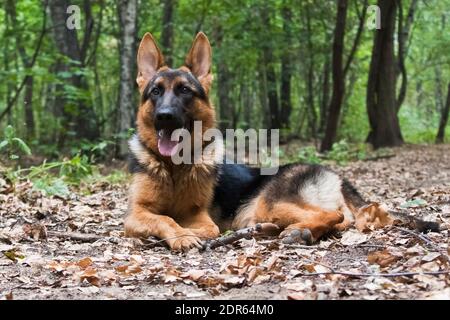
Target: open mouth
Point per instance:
(166, 146)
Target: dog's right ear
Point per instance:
(149, 60)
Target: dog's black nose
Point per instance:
(166, 118)
(165, 115)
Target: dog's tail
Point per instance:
(354, 198)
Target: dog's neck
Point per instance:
(163, 167)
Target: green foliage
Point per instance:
(97, 150)
(54, 178)
(341, 152)
(13, 145)
(51, 187)
(309, 155)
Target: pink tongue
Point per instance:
(166, 147)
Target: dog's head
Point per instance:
(172, 98)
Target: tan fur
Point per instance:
(289, 215)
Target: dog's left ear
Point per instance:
(149, 60)
(199, 57)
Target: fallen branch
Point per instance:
(83, 237)
(247, 233)
(388, 275)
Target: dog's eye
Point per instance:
(156, 92)
(185, 90)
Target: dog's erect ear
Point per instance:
(149, 60)
(199, 57)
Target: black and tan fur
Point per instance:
(185, 204)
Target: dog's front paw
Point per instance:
(207, 232)
(184, 240)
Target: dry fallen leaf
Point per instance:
(382, 258)
(431, 256)
(84, 263)
(353, 237)
(233, 281)
(193, 274)
(90, 275)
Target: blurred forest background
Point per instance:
(342, 92)
(312, 68)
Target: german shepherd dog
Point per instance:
(185, 204)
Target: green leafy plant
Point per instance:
(13, 144)
(93, 150)
(54, 178)
(309, 155)
(340, 152)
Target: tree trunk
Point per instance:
(444, 119)
(26, 61)
(128, 14)
(247, 103)
(78, 116)
(262, 92)
(269, 62)
(381, 98)
(286, 69)
(28, 104)
(167, 31)
(325, 96)
(338, 77)
(438, 94)
(403, 37)
(226, 109)
(311, 114)
(272, 95)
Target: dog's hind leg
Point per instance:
(310, 220)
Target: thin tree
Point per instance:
(269, 67)
(167, 30)
(338, 76)
(340, 70)
(78, 116)
(286, 67)
(444, 119)
(128, 17)
(404, 31)
(26, 61)
(226, 107)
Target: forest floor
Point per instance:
(38, 261)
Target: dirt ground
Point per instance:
(38, 261)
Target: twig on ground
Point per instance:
(258, 229)
(301, 246)
(83, 237)
(426, 240)
(379, 246)
(396, 274)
